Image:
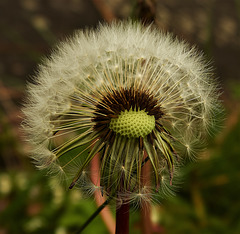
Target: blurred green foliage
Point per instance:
(31, 204)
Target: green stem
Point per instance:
(94, 215)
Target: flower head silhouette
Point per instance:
(127, 92)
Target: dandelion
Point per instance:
(128, 93)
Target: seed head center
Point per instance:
(133, 123)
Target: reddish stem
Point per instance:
(122, 219)
(104, 10)
(146, 223)
(105, 213)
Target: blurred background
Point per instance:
(208, 199)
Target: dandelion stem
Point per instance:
(100, 208)
(122, 212)
(146, 223)
(122, 219)
(99, 198)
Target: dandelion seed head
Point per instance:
(123, 91)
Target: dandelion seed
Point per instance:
(122, 91)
